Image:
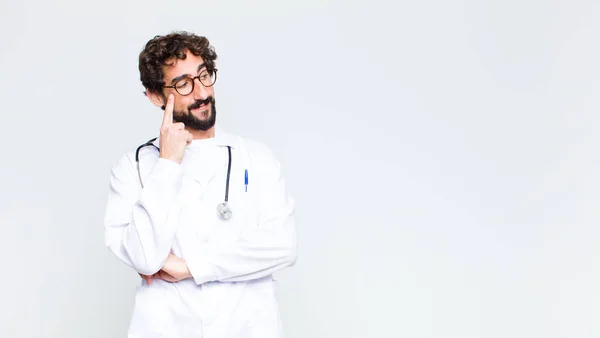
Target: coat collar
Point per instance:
(222, 139)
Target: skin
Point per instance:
(175, 137)
(191, 66)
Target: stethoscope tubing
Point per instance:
(151, 143)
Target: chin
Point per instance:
(203, 114)
(204, 117)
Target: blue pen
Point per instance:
(246, 179)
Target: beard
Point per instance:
(191, 121)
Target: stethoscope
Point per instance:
(223, 209)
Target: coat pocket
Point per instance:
(152, 316)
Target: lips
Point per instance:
(200, 104)
(200, 107)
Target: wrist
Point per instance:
(170, 158)
(188, 273)
(177, 267)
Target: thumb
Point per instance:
(148, 279)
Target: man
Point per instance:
(202, 215)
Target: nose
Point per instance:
(200, 92)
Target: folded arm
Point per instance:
(140, 224)
(263, 248)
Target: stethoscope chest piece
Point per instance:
(224, 211)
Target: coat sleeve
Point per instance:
(261, 249)
(140, 223)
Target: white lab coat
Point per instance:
(231, 294)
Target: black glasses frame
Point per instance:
(214, 71)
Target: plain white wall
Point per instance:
(443, 155)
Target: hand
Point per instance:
(159, 275)
(174, 270)
(173, 136)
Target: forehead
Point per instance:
(176, 67)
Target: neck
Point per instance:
(201, 134)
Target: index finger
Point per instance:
(168, 117)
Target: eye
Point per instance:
(183, 84)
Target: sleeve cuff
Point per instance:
(200, 269)
(166, 170)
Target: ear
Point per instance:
(156, 98)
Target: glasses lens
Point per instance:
(185, 86)
(208, 77)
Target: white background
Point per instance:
(443, 156)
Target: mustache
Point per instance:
(198, 103)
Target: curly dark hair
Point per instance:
(161, 49)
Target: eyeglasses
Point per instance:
(185, 86)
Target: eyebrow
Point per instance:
(202, 65)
